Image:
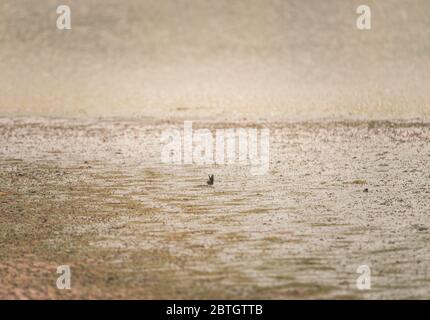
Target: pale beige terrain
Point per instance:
(93, 194)
(275, 59)
(84, 185)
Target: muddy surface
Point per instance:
(94, 195)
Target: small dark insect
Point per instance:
(211, 179)
(366, 190)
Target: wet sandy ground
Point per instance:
(94, 195)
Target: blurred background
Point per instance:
(224, 59)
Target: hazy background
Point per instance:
(223, 59)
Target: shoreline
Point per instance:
(95, 196)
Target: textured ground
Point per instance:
(94, 195)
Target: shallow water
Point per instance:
(95, 195)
